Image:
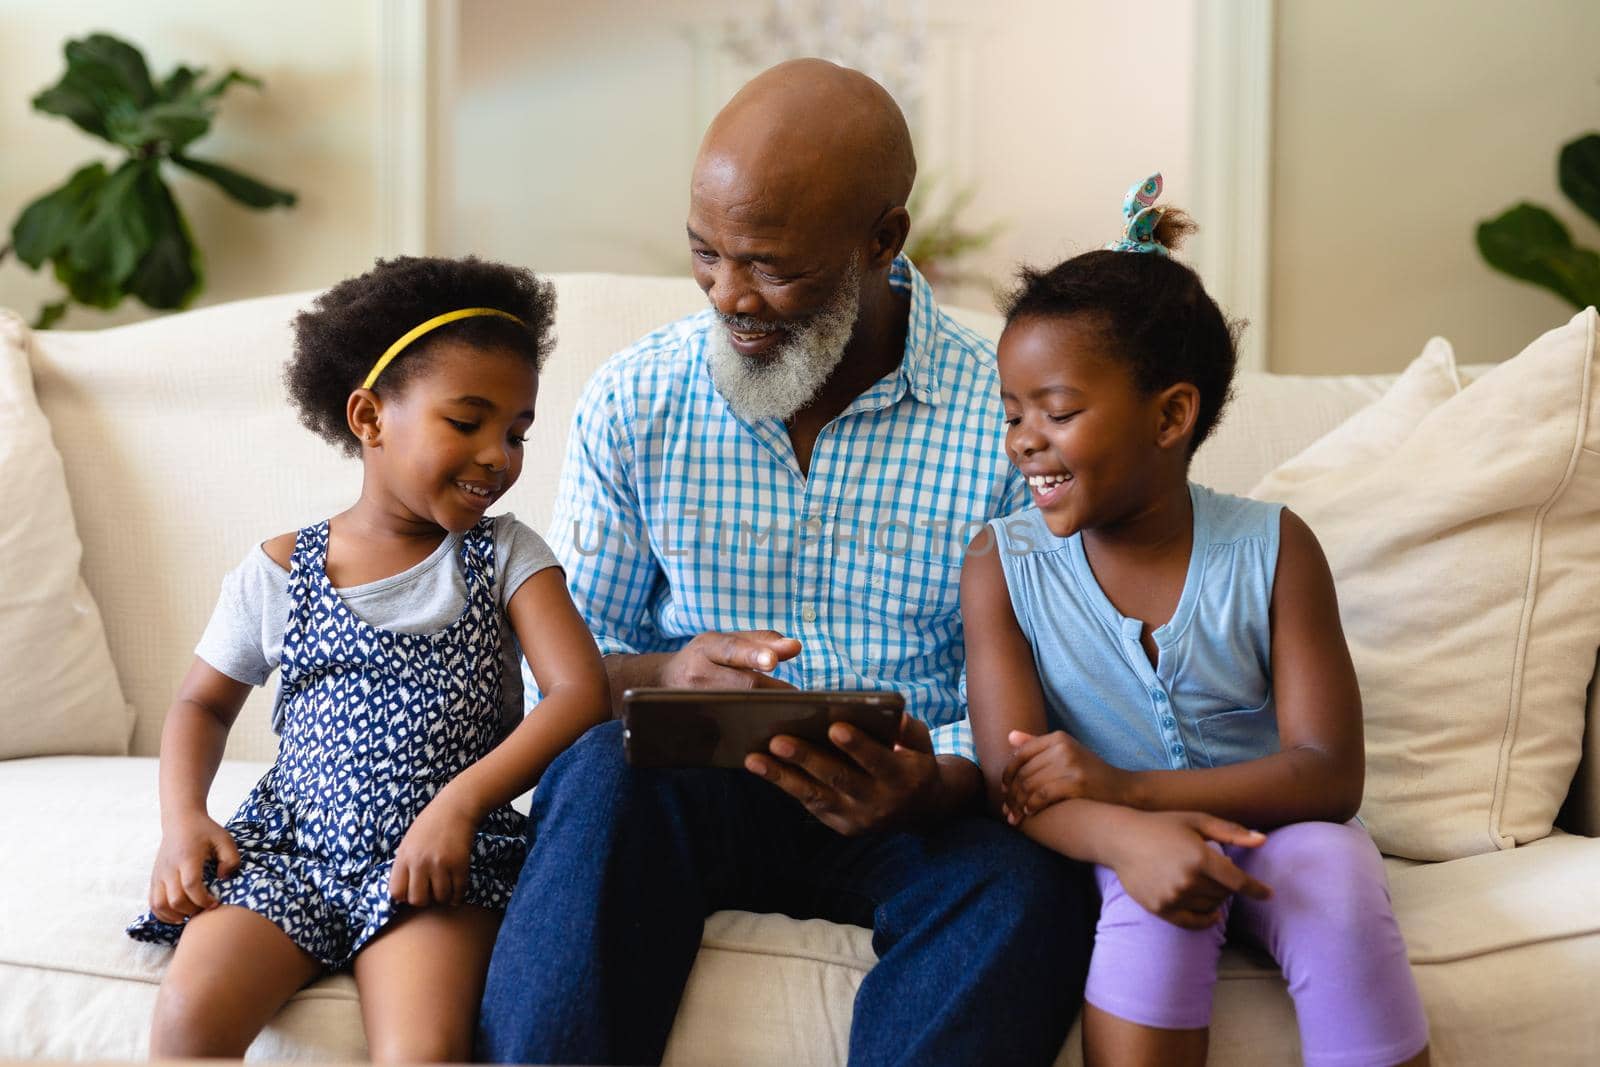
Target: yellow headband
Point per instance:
(432, 324)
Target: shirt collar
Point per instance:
(919, 366)
(919, 372)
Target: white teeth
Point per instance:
(474, 490)
(1042, 482)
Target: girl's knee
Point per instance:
(1333, 859)
(189, 1024)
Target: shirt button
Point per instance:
(1169, 722)
(1161, 698)
(808, 613)
(1177, 750)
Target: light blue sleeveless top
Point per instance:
(1208, 701)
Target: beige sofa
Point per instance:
(180, 453)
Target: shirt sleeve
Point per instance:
(598, 532)
(244, 638)
(955, 739)
(520, 553)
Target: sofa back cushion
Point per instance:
(1461, 526)
(181, 452)
(58, 689)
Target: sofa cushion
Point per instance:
(72, 984)
(80, 834)
(1271, 417)
(181, 453)
(1460, 524)
(58, 688)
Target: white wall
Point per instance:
(313, 129)
(1399, 126)
(568, 140)
(574, 126)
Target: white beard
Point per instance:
(780, 383)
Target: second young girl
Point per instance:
(381, 838)
(1153, 666)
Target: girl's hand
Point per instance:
(177, 884)
(1050, 768)
(432, 863)
(1166, 862)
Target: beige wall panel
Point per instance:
(313, 128)
(1398, 127)
(575, 126)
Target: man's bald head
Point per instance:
(824, 140)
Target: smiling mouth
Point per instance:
(477, 490)
(755, 343)
(1046, 488)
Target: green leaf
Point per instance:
(102, 256)
(1579, 174)
(76, 104)
(168, 128)
(241, 187)
(46, 225)
(169, 275)
(179, 83)
(50, 314)
(105, 86)
(1529, 243)
(222, 84)
(123, 63)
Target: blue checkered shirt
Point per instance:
(676, 517)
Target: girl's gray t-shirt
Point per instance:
(244, 638)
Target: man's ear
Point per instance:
(888, 238)
(1177, 407)
(363, 412)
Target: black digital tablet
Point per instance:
(719, 727)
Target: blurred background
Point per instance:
(1338, 156)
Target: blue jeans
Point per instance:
(982, 936)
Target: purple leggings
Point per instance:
(1328, 924)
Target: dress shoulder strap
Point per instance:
(477, 555)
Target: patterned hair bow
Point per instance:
(1138, 207)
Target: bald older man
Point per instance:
(777, 492)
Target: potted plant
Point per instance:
(1530, 243)
(116, 232)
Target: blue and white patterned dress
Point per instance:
(375, 724)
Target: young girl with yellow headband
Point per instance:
(381, 838)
